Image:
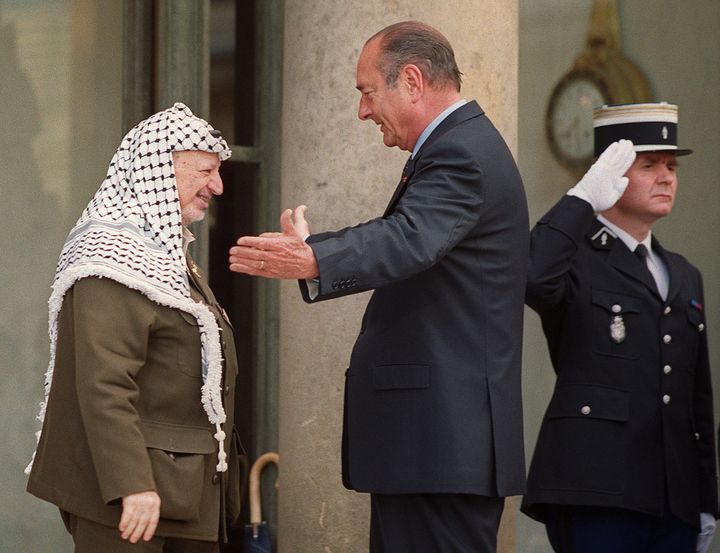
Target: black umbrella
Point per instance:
(257, 535)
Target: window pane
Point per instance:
(232, 70)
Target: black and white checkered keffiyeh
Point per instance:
(131, 232)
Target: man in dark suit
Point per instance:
(433, 420)
(625, 458)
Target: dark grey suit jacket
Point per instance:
(433, 399)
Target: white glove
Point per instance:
(707, 529)
(604, 182)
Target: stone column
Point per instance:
(338, 166)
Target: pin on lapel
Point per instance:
(195, 270)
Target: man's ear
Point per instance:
(413, 80)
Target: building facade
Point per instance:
(278, 78)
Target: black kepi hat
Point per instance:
(650, 127)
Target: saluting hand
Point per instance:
(277, 254)
(605, 181)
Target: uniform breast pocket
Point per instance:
(616, 324)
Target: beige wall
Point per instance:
(339, 167)
(679, 50)
(60, 110)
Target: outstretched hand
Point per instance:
(277, 254)
(605, 182)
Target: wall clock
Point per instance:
(600, 75)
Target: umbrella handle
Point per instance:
(255, 472)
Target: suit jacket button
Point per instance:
(667, 310)
(585, 410)
(701, 327)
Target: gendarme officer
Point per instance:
(625, 458)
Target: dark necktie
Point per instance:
(642, 252)
(401, 185)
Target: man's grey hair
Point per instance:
(421, 45)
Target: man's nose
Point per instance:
(216, 184)
(665, 174)
(363, 110)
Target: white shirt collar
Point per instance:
(187, 238)
(434, 123)
(627, 239)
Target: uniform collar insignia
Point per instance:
(604, 238)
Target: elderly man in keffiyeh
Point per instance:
(137, 447)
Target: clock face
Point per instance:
(569, 120)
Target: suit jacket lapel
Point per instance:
(620, 256)
(463, 113)
(197, 283)
(408, 170)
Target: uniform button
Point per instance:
(697, 437)
(585, 410)
(667, 338)
(215, 478)
(667, 310)
(667, 369)
(616, 308)
(701, 327)
(666, 399)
